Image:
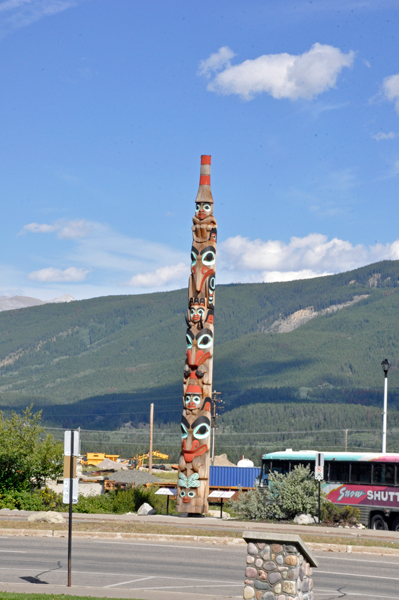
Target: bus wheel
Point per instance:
(395, 524)
(378, 522)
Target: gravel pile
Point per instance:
(133, 476)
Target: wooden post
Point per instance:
(151, 437)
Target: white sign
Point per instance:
(319, 466)
(218, 494)
(67, 443)
(65, 491)
(166, 492)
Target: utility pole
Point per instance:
(346, 440)
(151, 436)
(215, 400)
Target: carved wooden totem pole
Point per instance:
(193, 482)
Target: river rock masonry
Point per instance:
(278, 567)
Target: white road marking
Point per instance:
(126, 582)
(349, 594)
(377, 562)
(14, 551)
(157, 545)
(97, 574)
(358, 575)
(173, 587)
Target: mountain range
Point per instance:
(99, 363)
(13, 302)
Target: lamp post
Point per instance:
(385, 367)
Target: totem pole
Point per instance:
(193, 482)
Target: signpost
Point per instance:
(167, 492)
(220, 495)
(319, 472)
(70, 491)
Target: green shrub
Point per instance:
(44, 499)
(342, 515)
(116, 501)
(285, 497)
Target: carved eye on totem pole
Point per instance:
(195, 436)
(197, 313)
(211, 291)
(188, 487)
(203, 210)
(199, 350)
(192, 402)
(203, 264)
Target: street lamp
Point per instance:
(385, 367)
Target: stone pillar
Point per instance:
(279, 567)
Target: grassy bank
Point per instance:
(160, 529)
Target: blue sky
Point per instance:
(107, 106)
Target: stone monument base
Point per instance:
(279, 567)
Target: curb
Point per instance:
(221, 541)
(379, 550)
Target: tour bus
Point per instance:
(369, 481)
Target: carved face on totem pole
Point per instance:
(194, 460)
(193, 482)
(199, 352)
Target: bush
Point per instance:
(119, 501)
(339, 515)
(44, 499)
(285, 497)
(27, 456)
(116, 501)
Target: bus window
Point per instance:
(339, 471)
(266, 467)
(281, 466)
(383, 473)
(360, 472)
(304, 463)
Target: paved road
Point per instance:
(179, 567)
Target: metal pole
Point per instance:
(346, 440)
(167, 504)
(221, 508)
(151, 436)
(384, 418)
(319, 500)
(70, 514)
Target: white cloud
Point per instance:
(59, 275)
(75, 229)
(390, 89)
(66, 229)
(281, 75)
(273, 276)
(38, 228)
(21, 13)
(216, 61)
(384, 136)
(314, 255)
(160, 277)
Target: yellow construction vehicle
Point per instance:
(138, 460)
(94, 458)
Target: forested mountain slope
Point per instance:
(106, 359)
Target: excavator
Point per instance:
(138, 461)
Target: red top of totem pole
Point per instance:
(204, 192)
